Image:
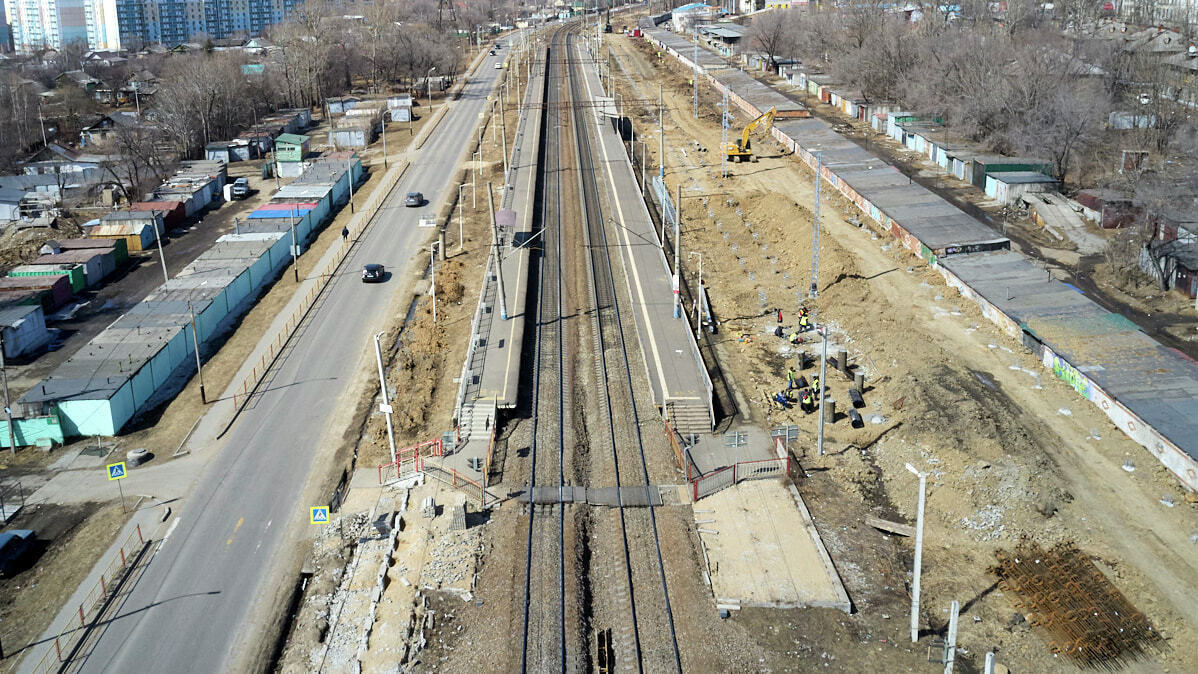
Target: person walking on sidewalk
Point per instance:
(345, 233)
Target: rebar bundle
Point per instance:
(1086, 618)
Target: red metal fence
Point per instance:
(410, 460)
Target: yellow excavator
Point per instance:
(742, 150)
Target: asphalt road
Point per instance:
(189, 610)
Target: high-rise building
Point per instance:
(46, 24)
(173, 21)
(125, 24)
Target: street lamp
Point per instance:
(461, 208)
(432, 266)
(923, 478)
(428, 80)
(698, 296)
(385, 406)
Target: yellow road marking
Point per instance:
(240, 521)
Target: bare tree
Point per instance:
(773, 34)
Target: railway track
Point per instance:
(617, 589)
(544, 647)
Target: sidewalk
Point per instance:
(150, 517)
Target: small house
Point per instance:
(24, 328)
(1007, 186)
(102, 129)
(290, 150)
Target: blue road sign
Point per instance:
(116, 470)
(319, 514)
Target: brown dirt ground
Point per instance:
(1011, 451)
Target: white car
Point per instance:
(499, 65)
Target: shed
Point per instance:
(984, 164)
(173, 212)
(53, 291)
(1174, 263)
(152, 218)
(1007, 186)
(10, 203)
(221, 150)
(75, 272)
(352, 133)
(303, 116)
(138, 236)
(291, 147)
(97, 263)
(24, 328)
(1108, 208)
(120, 250)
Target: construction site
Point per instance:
(673, 377)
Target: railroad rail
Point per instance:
(599, 569)
(544, 637)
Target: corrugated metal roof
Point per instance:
(12, 315)
(1156, 383)
(1020, 177)
(120, 229)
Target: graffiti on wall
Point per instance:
(1071, 375)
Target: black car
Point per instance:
(373, 273)
(413, 199)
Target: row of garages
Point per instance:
(259, 140)
(1004, 179)
(146, 355)
(68, 267)
(1149, 391)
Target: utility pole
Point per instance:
(923, 482)
(950, 644)
(695, 73)
(432, 270)
(349, 170)
(503, 150)
(383, 133)
(698, 297)
(195, 343)
(385, 406)
(823, 371)
(814, 291)
(294, 247)
(498, 258)
(12, 436)
(677, 253)
(161, 256)
(724, 137)
(661, 137)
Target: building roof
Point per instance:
(292, 138)
(1185, 252)
(1021, 177)
(119, 229)
(12, 314)
(10, 195)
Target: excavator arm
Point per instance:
(743, 149)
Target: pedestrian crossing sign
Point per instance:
(116, 470)
(319, 514)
